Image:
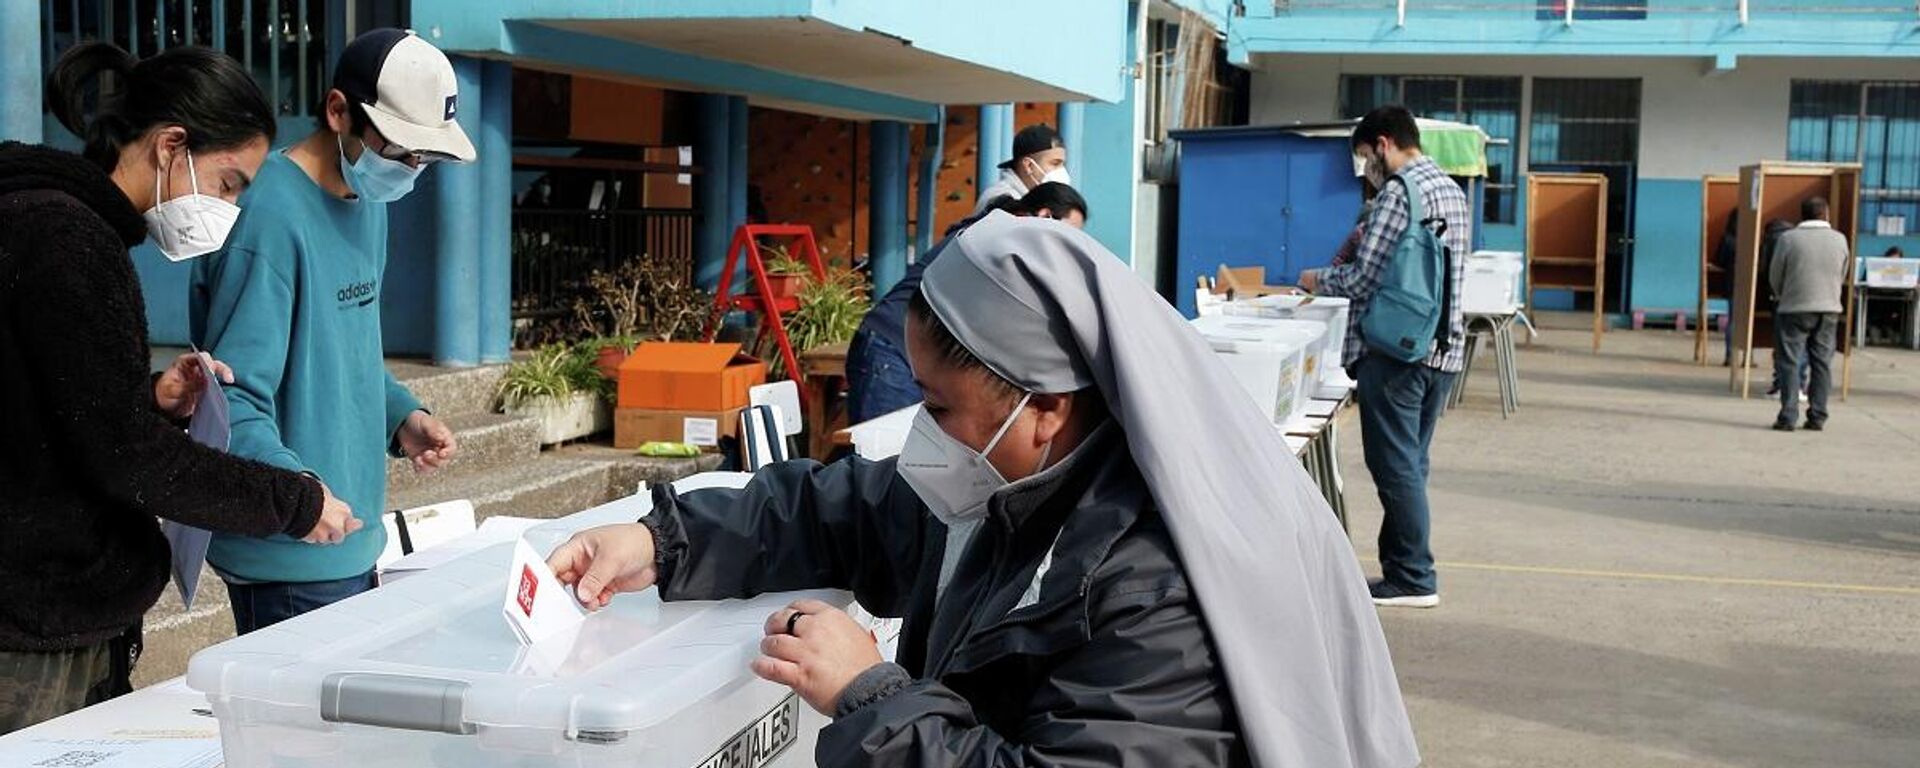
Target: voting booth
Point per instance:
(1719, 204)
(426, 672)
(1567, 238)
(1770, 191)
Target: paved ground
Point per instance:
(1637, 572)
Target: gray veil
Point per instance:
(1053, 311)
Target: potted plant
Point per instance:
(786, 274)
(830, 312)
(608, 352)
(559, 387)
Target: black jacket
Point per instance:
(1110, 666)
(86, 463)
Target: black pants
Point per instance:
(1804, 340)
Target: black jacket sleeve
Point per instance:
(1145, 691)
(83, 332)
(852, 524)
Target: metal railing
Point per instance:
(555, 250)
(282, 42)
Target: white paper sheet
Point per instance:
(115, 753)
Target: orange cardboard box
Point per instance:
(679, 376)
(634, 426)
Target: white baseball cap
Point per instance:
(408, 90)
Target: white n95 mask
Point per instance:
(191, 225)
(953, 480)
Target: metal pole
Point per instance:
(160, 26)
(300, 28)
(220, 25)
(1570, 13)
(273, 52)
(1401, 18)
(189, 14)
(1743, 13)
(21, 68)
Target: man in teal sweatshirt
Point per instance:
(292, 303)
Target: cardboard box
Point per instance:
(634, 426)
(1245, 282)
(678, 376)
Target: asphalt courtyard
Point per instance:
(1636, 571)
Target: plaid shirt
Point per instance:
(1359, 279)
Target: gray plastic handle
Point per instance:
(394, 701)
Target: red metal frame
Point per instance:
(746, 240)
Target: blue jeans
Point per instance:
(1400, 405)
(262, 605)
(879, 379)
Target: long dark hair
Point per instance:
(199, 89)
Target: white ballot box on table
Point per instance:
(1491, 286)
(1268, 357)
(1326, 310)
(426, 672)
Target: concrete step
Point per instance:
(546, 487)
(486, 442)
(450, 392)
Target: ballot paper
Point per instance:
(538, 606)
(115, 753)
(210, 427)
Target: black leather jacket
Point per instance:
(1111, 664)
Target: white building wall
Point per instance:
(1692, 122)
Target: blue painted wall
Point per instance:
(1111, 140)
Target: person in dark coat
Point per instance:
(94, 448)
(1102, 552)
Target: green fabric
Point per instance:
(670, 450)
(1458, 151)
(292, 303)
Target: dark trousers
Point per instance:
(258, 606)
(1400, 405)
(1804, 341)
(879, 378)
(39, 686)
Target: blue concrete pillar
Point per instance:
(20, 99)
(995, 143)
(1073, 120)
(926, 230)
(710, 188)
(1109, 146)
(457, 234)
(887, 210)
(737, 166)
(496, 218)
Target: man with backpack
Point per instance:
(1407, 339)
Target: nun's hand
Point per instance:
(825, 652)
(602, 562)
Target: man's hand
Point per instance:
(426, 442)
(826, 651)
(178, 389)
(336, 520)
(605, 561)
(1310, 280)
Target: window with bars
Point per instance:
(1492, 103)
(1875, 124)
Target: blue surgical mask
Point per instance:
(375, 178)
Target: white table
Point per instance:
(166, 725)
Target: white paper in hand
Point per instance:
(537, 605)
(211, 427)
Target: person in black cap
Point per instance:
(293, 304)
(1039, 157)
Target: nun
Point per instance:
(1103, 552)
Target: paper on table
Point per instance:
(211, 427)
(117, 753)
(493, 530)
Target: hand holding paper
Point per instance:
(538, 606)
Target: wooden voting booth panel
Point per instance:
(1770, 191)
(1719, 204)
(1567, 238)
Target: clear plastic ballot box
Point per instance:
(425, 672)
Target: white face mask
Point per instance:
(192, 225)
(955, 481)
(1056, 176)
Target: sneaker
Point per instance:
(1815, 426)
(1394, 595)
(1783, 426)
